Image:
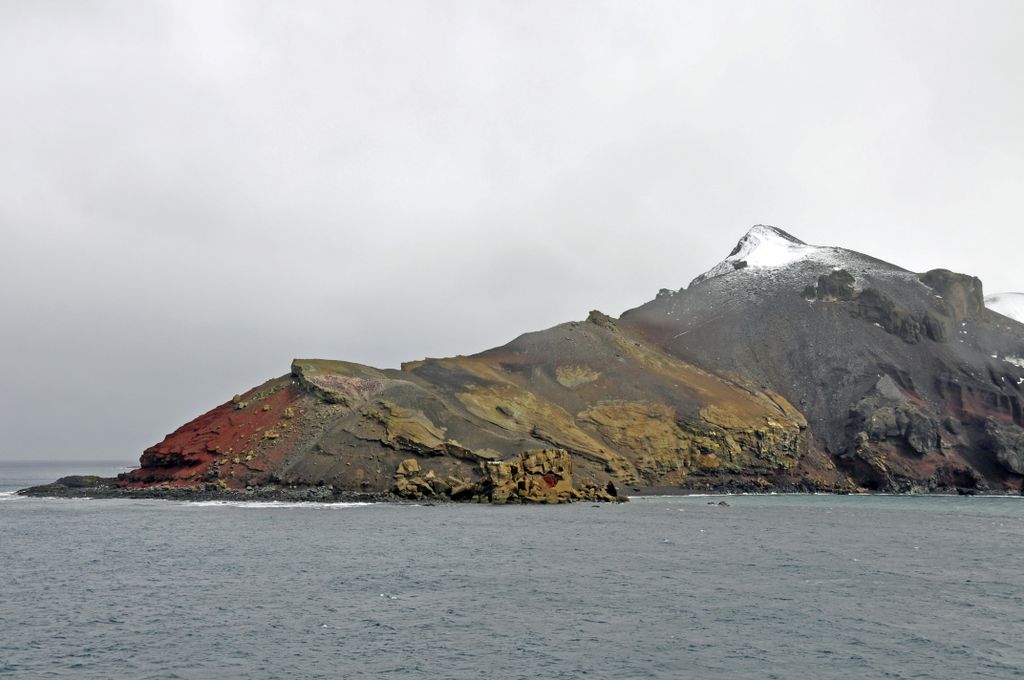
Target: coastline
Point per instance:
(93, 487)
(107, 488)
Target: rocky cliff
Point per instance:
(786, 366)
(908, 381)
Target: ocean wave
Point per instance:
(271, 505)
(681, 496)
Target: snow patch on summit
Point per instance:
(1007, 304)
(763, 247)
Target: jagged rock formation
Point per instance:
(786, 366)
(541, 476)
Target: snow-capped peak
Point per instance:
(1007, 304)
(762, 247)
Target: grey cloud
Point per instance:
(193, 193)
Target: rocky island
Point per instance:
(785, 367)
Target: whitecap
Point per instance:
(271, 505)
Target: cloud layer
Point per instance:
(193, 193)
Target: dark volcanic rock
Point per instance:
(75, 485)
(798, 325)
(1007, 444)
(963, 295)
(835, 286)
(874, 306)
(786, 366)
(889, 415)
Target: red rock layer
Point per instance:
(235, 438)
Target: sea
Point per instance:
(762, 586)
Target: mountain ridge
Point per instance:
(785, 366)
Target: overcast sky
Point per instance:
(194, 193)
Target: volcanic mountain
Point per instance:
(785, 366)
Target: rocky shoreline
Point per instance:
(109, 487)
(92, 487)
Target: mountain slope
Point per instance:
(904, 378)
(785, 366)
(626, 411)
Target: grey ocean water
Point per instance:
(770, 587)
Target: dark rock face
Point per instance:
(836, 286)
(787, 366)
(963, 294)
(889, 415)
(875, 306)
(1007, 444)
